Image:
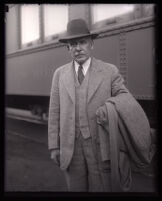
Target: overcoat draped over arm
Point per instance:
(129, 139)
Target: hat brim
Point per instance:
(66, 39)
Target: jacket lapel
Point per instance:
(68, 80)
(95, 78)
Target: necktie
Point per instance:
(80, 74)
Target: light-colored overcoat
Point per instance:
(104, 82)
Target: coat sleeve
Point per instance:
(118, 89)
(54, 113)
(117, 83)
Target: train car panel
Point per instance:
(141, 71)
(106, 49)
(31, 74)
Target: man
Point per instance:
(78, 94)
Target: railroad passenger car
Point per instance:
(126, 39)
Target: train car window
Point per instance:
(41, 23)
(149, 9)
(103, 14)
(53, 26)
(30, 31)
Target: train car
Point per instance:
(126, 38)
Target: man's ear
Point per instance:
(92, 44)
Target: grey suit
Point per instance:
(104, 82)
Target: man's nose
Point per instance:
(78, 47)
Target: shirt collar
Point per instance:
(85, 66)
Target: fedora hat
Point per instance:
(76, 28)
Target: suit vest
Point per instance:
(81, 93)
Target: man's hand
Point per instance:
(55, 155)
(101, 115)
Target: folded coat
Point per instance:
(125, 138)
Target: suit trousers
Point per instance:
(86, 172)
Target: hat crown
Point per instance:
(77, 26)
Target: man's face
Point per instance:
(80, 49)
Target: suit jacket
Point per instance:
(104, 82)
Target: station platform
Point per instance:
(26, 115)
(28, 167)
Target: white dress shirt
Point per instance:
(85, 66)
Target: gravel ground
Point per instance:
(28, 166)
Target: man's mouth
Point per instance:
(79, 55)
